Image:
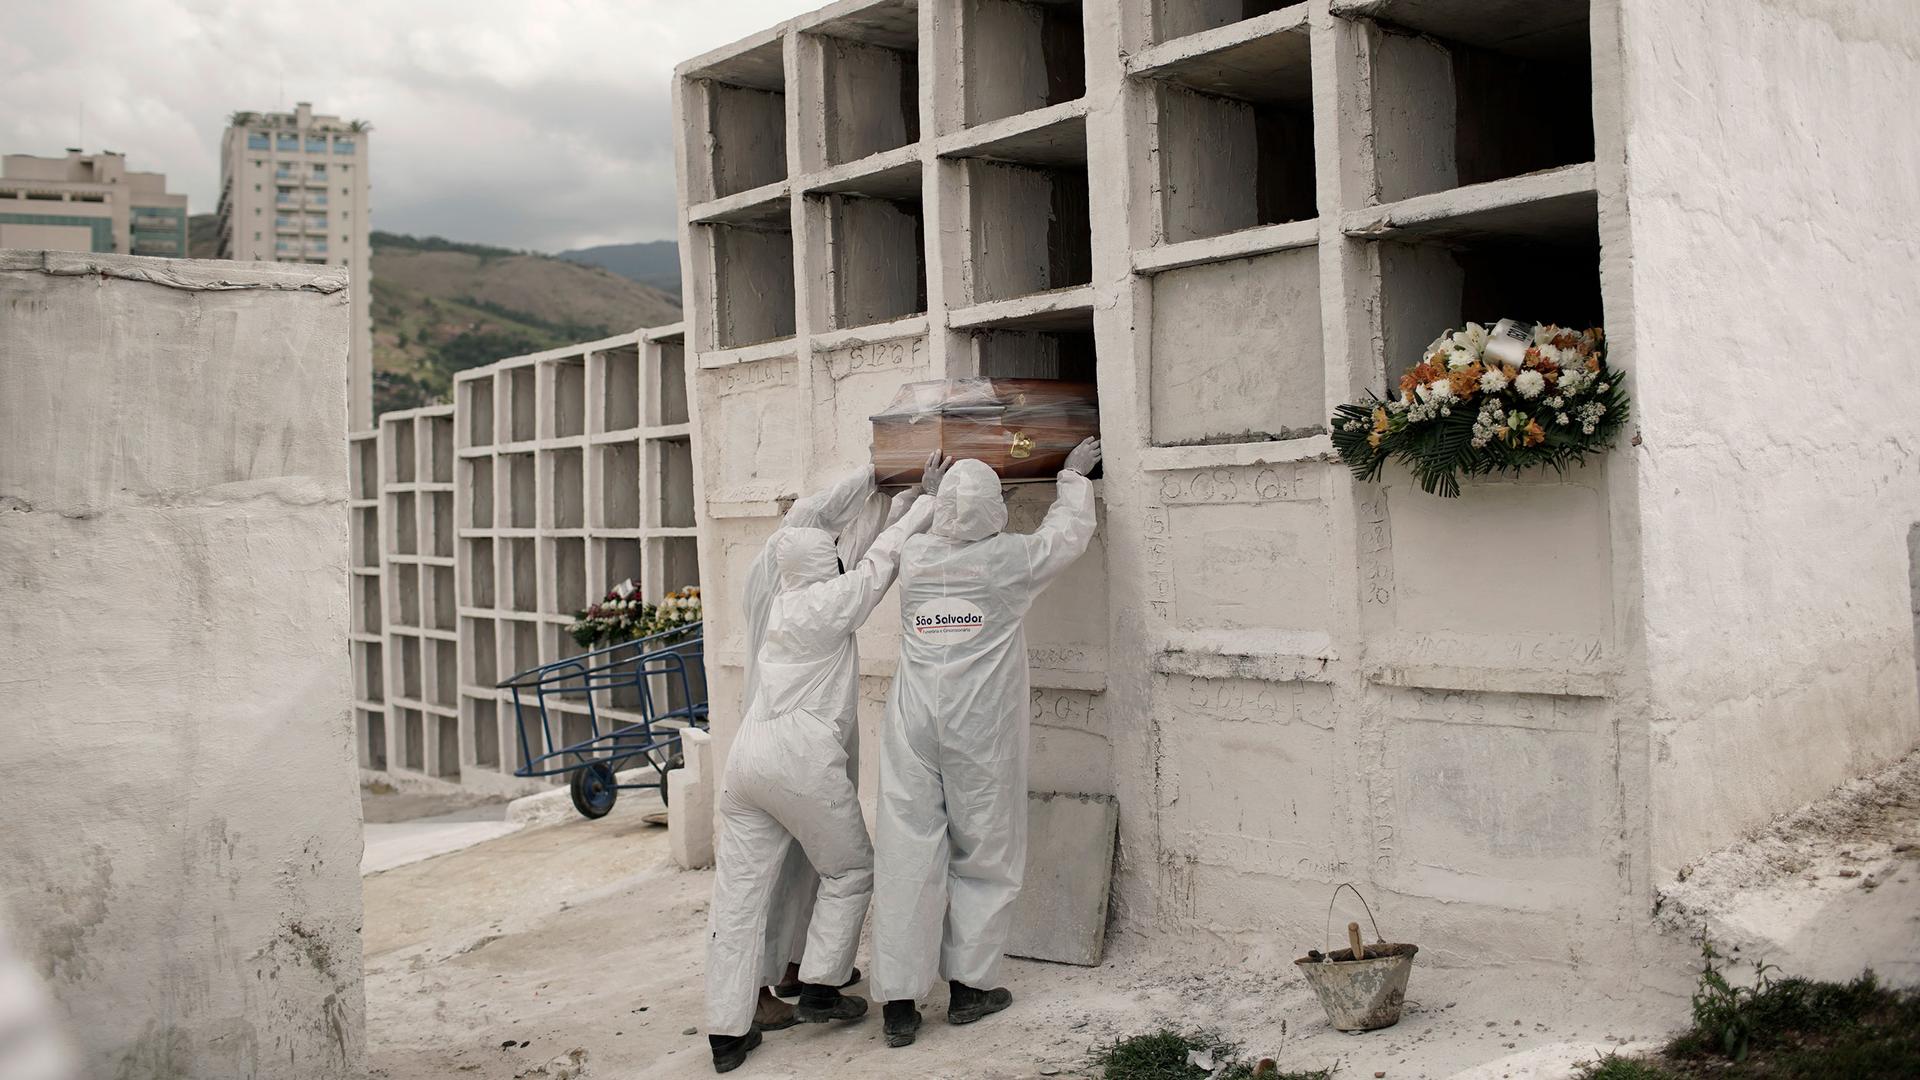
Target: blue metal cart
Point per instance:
(636, 698)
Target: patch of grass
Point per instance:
(1162, 1055)
(1783, 1029)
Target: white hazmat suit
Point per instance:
(847, 510)
(952, 815)
(787, 778)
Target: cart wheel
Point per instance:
(592, 789)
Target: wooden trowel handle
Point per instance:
(1353, 940)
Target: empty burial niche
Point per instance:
(441, 603)
(482, 660)
(679, 562)
(1020, 56)
(370, 682)
(746, 126)
(366, 537)
(413, 737)
(520, 490)
(1446, 112)
(406, 524)
(523, 580)
(366, 604)
(1427, 288)
(521, 404)
(366, 468)
(620, 486)
(475, 402)
(446, 672)
(1178, 18)
(439, 437)
(877, 267)
(483, 731)
(670, 383)
(410, 678)
(479, 580)
(476, 480)
(440, 524)
(1207, 385)
(752, 282)
(405, 589)
(675, 458)
(620, 389)
(374, 750)
(1029, 229)
(569, 397)
(1064, 352)
(569, 576)
(872, 92)
(619, 561)
(566, 484)
(446, 733)
(400, 452)
(526, 644)
(1231, 161)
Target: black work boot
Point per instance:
(820, 1003)
(902, 1022)
(965, 1004)
(730, 1051)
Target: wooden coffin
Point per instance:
(1023, 428)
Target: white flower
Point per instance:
(1602, 388)
(1561, 419)
(1529, 383)
(1473, 339)
(1459, 358)
(1493, 380)
(1549, 352)
(1440, 390)
(1556, 402)
(1544, 332)
(1423, 391)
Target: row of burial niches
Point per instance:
(1017, 57)
(616, 389)
(1237, 332)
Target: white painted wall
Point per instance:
(1773, 172)
(182, 841)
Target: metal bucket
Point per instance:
(1364, 994)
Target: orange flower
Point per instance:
(1408, 382)
(1566, 339)
(1465, 381)
(1593, 363)
(1379, 419)
(1535, 434)
(1373, 440)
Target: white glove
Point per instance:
(1084, 457)
(934, 472)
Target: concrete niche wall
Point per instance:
(1500, 715)
(182, 843)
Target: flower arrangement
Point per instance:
(1483, 401)
(623, 616)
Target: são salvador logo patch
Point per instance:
(948, 620)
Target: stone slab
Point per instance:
(1061, 914)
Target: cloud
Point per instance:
(543, 125)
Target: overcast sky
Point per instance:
(526, 123)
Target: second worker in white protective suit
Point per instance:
(952, 815)
(787, 782)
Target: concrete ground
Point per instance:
(574, 950)
(405, 827)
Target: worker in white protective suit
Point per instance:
(851, 511)
(952, 815)
(787, 782)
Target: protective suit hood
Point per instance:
(802, 557)
(968, 506)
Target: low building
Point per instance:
(91, 203)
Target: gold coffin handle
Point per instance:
(1022, 447)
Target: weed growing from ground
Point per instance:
(1162, 1055)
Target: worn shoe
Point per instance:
(772, 1014)
(965, 1004)
(819, 1004)
(730, 1051)
(902, 1022)
(791, 987)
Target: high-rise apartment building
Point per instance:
(89, 202)
(293, 188)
